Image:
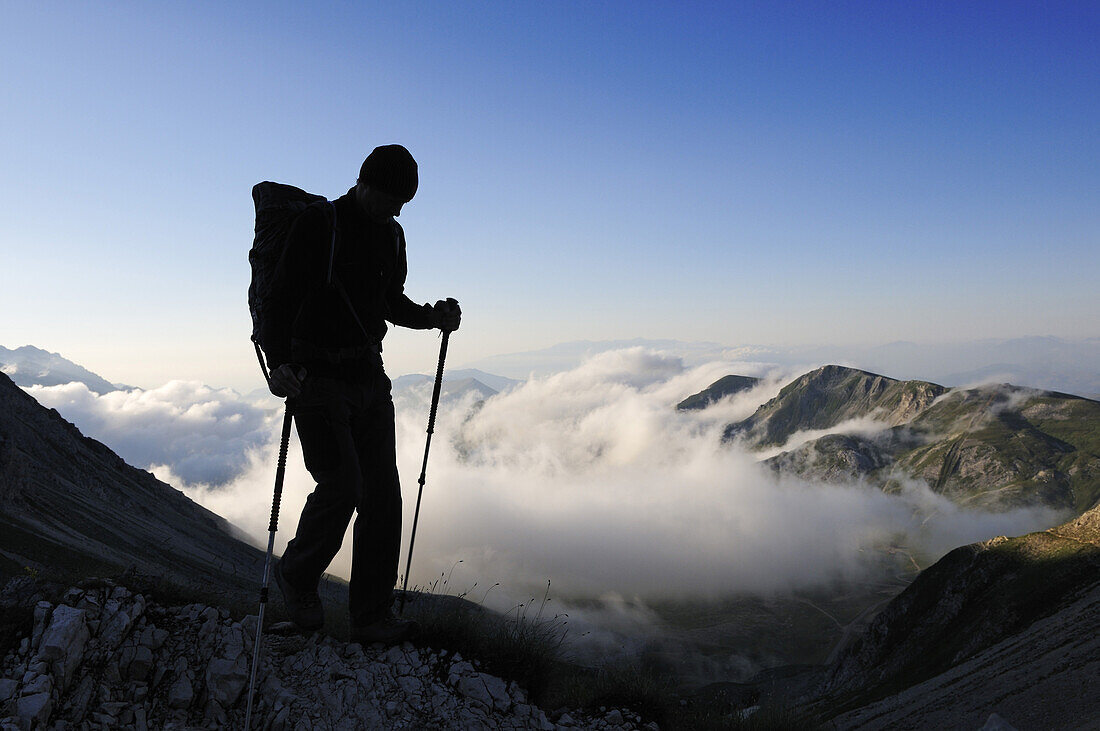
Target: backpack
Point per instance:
(277, 208)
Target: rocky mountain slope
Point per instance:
(1008, 445)
(829, 396)
(996, 447)
(70, 504)
(1005, 626)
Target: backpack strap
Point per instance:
(332, 247)
(347, 300)
(263, 365)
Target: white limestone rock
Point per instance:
(41, 619)
(35, 708)
(225, 679)
(181, 694)
(996, 723)
(7, 688)
(63, 643)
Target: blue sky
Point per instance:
(776, 173)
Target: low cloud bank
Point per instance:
(592, 479)
(207, 436)
(589, 478)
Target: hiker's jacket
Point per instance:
(310, 323)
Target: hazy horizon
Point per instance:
(1040, 361)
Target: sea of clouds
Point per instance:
(588, 478)
(207, 436)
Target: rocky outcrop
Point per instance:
(835, 458)
(106, 657)
(68, 504)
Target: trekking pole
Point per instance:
(280, 472)
(424, 466)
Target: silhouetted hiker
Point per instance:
(324, 342)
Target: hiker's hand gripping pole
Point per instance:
(280, 473)
(424, 465)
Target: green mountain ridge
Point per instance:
(829, 396)
(723, 387)
(994, 447)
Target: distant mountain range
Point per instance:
(566, 356)
(31, 366)
(457, 384)
(993, 446)
(1050, 363)
(1045, 362)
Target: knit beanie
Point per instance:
(391, 169)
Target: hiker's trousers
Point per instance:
(347, 433)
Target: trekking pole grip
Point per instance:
(438, 381)
(280, 469)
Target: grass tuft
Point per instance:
(524, 644)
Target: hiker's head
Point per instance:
(387, 180)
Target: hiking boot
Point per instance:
(389, 630)
(305, 607)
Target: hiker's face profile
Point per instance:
(378, 205)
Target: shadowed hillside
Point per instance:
(69, 503)
(1006, 625)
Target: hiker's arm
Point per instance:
(402, 310)
(290, 285)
